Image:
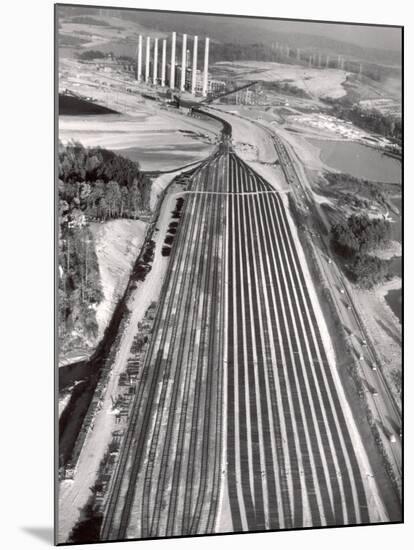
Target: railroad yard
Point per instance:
(239, 384)
(256, 434)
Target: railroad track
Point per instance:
(146, 531)
(208, 283)
(129, 438)
(369, 348)
(287, 450)
(326, 426)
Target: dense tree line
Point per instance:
(359, 234)
(101, 184)
(79, 286)
(91, 54)
(354, 240)
(361, 192)
(94, 184)
(86, 20)
(285, 87)
(373, 121)
(70, 41)
(368, 271)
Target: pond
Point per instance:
(359, 160)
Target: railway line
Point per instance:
(297, 456)
(239, 411)
(170, 461)
(386, 411)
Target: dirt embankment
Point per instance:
(117, 244)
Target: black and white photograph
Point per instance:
(228, 273)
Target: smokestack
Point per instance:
(194, 70)
(183, 62)
(172, 75)
(155, 68)
(327, 62)
(147, 59)
(139, 60)
(205, 79)
(163, 62)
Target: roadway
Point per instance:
(239, 410)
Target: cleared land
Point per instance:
(117, 243)
(171, 141)
(316, 82)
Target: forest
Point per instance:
(93, 185)
(354, 240)
(285, 87)
(86, 20)
(101, 184)
(373, 121)
(88, 55)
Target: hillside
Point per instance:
(95, 185)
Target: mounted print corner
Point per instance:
(228, 274)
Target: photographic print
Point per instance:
(228, 274)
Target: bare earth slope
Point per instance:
(118, 243)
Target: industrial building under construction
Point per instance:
(161, 69)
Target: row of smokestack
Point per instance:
(173, 62)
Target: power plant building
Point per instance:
(183, 76)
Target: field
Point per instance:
(163, 147)
(316, 82)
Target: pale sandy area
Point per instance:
(154, 141)
(117, 245)
(157, 140)
(73, 495)
(72, 357)
(394, 248)
(63, 401)
(101, 34)
(384, 328)
(316, 82)
(244, 132)
(308, 153)
(272, 174)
